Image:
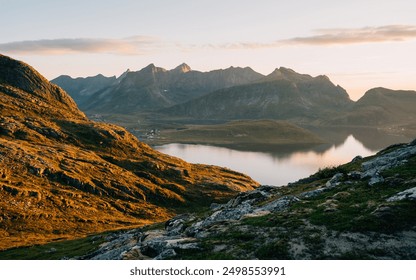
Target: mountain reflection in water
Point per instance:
(283, 165)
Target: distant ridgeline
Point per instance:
(150, 88)
(239, 93)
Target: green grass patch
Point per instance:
(55, 250)
(285, 219)
(204, 253)
(401, 217)
(328, 172)
(278, 250)
(262, 221)
(356, 211)
(239, 236)
(207, 256)
(154, 226)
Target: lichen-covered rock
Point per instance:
(176, 225)
(409, 194)
(334, 181)
(376, 179)
(312, 193)
(354, 175)
(166, 254)
(387, 160)
(279, 204)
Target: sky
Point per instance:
(358, 44)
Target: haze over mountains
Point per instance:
(284, 94)
(63, 176)
(240, 93)
(81, 89)
(152, 87)
(381, 106)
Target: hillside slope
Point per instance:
(63, 176)
(381, 107)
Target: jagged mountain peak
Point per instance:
(284, 73)
(99, 76)
(286, 70)
(153, 69)
(238, 68)
(323, 77)
(123, 75)
(154, 88)
(183, 68)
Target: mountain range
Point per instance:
(151, 88)
(284, 95)
(81, 89)
(63, 176)
(239, 93)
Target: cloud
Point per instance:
(137, 45)
(344, 36)
(126, 46)
(339, 36)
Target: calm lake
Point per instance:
(276, 167)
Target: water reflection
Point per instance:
(272, 168)
(372, 138)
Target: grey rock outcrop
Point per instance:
(312, 193)
(279, 204)
(409, 194)
(335, 181)
(372, 168)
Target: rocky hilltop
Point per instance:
(63, 176)
(365, 209)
